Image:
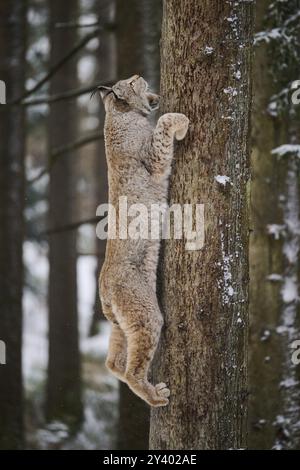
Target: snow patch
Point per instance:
(223, 180)
(226, 285)
(288, 383)
(230, 91)
(276, 230)
(287, 149)
(208, 50)
(86, 68)
(289, 290)
(274, 277)
(267, 36)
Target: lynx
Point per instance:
(139, 160)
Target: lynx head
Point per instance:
(131, 94)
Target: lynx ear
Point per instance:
(104, 91)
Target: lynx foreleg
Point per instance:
(169, 126)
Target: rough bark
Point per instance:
(64, 387)
(206, 62)
(137, 46)
(274, 257)
(12, 72)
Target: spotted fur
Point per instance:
(139, 160)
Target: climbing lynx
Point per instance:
(139, 163)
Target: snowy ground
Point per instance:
(100, 388)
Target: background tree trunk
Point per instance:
(206, 56)
(274, 244)
(64, 387)
(106, 58)
(138, 53)
(265, 250)
(12, 72)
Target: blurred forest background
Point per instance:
(58, 394)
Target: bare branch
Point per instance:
(76, 144)
(74, 24)
(56, 153)
(56, 67)
(63, 96)
(72, 226)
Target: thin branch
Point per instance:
(63, 96)
(56, 67)
(72, 226)
(76, 144)
(63, 150)
(74, 24)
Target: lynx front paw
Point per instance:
(182, 127)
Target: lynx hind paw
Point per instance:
(182, 127)
(162, 390)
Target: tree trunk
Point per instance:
(274, 245)
(206, 62)
(12, 72)
(265, 251)
(137, 44)
(64, 387)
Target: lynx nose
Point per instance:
(153, 100)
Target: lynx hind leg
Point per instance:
(141, 321)
(116, 357)
(141, 349)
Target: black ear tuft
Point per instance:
(103, 90)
